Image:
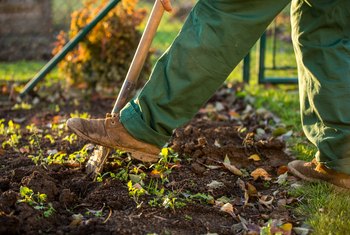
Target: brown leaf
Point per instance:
(56, 119)
(260, 173)
(72, 164)
(24, 149)
(233, 169)
(266, 200)
(281, 170)
(241, 184)
(252, 192)
(228, 208)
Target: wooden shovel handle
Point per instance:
(140, 56)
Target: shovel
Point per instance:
(95, 163)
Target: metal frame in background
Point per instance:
(262, 79)
(68, 47)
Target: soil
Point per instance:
(227, 126)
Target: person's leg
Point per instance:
(321, 36)
(214, 39)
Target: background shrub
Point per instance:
(102, 59)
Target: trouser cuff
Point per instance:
(131, 118)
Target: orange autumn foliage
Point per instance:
(104, 56)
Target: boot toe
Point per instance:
(74, 124)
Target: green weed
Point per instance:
(36, 200)
(70, 138)
(22, 105)
(77, 114)
(135, 191)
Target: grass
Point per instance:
(22, 71)
(325, 209)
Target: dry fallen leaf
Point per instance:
(228, 208)
(215, 184)
(255, 157)
(211, 167)
(227, 164)
(156, 173)
(252, 192)
(260, 173)
(266, 200)
(233, 169)
(76, 220)
(241, 184)
(72, 164)
(287, 227)
(282, 178)
(217, 144)
(281, 170)
(24, 149)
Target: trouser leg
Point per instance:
(214, 39)
(321, 36)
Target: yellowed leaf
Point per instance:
(260, 173)
(252, 192)
(228, 208)
(287, 227)
(255, 157)
(246, 198)
(156, 173)
(233, 169)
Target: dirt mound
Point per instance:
(226, 133)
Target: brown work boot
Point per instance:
(109, 132)
(317, 172)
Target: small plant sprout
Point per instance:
(50, 138)
(22, 105)
(71, 138)
(96, 213)
(2, 127)
(58, 129)
(12, 141)
(32, 128)
(36, 200)
(80, 115)
(135, 191)
(168, 160)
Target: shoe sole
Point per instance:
(139, 155)
(314, 180)
(300, 175)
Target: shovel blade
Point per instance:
(95, 163)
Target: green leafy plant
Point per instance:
(50, 138)
(104, 56)
(12, 141)
(168, 160)
(22, 105)
(135, 191)
(2, 127)
(36, 200)
(77, 114)
(71, 138)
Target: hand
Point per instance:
(167, 5)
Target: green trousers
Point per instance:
(214, 39)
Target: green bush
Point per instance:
(102, 59)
